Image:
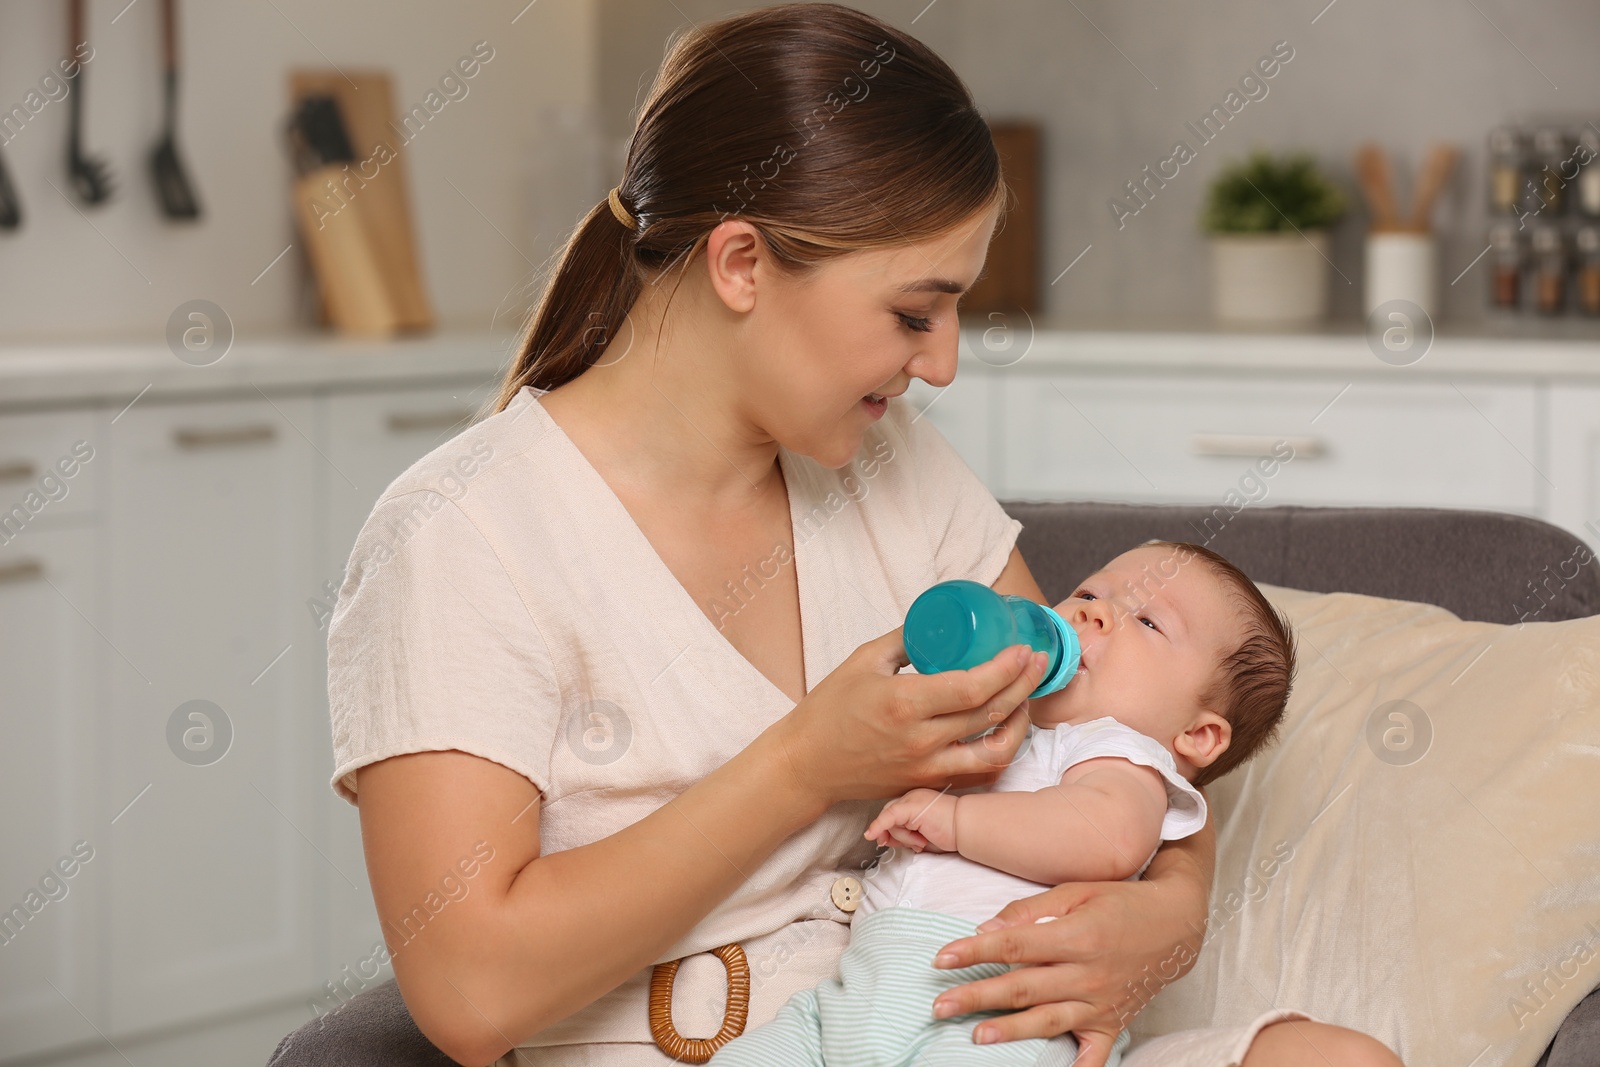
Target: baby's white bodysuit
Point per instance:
(950, 883)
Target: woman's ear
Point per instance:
(733, 250)
(1207, 738)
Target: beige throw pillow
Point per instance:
(1419, 855)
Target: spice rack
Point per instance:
(1544, 230)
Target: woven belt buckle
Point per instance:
(699, 1049)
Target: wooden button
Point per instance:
(846, 893)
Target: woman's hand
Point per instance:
(867, 732)
(1108, 948)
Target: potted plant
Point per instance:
(1268, 220)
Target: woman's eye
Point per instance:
(920, 325)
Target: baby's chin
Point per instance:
(1049, 710)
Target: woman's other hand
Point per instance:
(1101, 951)
(867, 731)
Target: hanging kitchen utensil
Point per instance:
(10, 207)
(173, 188)
(90, 177)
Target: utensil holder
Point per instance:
(1401, 265)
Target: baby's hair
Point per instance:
(1251, 689)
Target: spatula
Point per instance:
(10, 207)
(1372, 174)
(90, 178)
(1435, 173)
(173, 188)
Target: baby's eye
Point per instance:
(1083, 594)
(1149, 623)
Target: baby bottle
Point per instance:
(959, 624)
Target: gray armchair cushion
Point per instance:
(1577, 1043)
(1482, 565)
(372, 1029)
(1485, 566)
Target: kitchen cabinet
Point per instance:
(961, 411)
(193, 556)
(1192, 438)
(210, 521)
(1575, 459)
(51, 929)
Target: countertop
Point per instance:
(49, 374)
(56, 373)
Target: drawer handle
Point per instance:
(428, 423)
(21, 470)
(239, 435)
(1252, 446)
(26, 571)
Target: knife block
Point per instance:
(357, 232)
(357, 293)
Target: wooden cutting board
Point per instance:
(1011, 273)
(375, 210)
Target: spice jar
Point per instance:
(1552, 158)
(1505, 268)
(1589, 177)
(1589, 270)
(1507, 162)
(1549, 270)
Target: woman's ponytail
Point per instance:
(595, 283)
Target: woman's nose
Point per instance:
(936, 363)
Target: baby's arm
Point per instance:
(1100, 823)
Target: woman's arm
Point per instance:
(1017, 580)
(534, 938)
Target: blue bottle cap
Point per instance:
(1071, 652)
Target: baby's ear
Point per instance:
(1207, 738)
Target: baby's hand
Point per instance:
(923, 819)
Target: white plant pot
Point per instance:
(1270, 277)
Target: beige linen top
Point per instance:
(501, 601)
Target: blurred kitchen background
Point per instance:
(196, 413)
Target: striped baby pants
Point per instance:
(879, 1011)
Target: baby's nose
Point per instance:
(1088, 614)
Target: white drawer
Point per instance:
(1575, 459)
(1195, 438)
(49, 466)
(961, 413)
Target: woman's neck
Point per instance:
(664, 421)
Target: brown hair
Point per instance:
(1251, 688)
(827, 129)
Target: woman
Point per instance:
(632, 692)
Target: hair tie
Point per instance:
(619, 211)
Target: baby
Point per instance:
(1184, 676)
